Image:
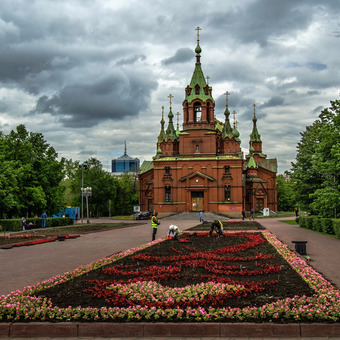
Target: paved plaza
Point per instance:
(26, 266)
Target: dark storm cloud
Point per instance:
(182, 55)
(113, 97)
(273, 101)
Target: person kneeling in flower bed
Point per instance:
(173, 229)
(216, 226)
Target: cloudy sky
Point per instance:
(90, 74)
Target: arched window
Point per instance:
(226, 169)
(167, 194)
(227, 195)
(197, 112)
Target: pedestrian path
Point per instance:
(195, 216)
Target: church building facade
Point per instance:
(202, 167)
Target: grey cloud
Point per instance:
(318, 109)
(316, 66)
(181, 56)
(131, 60)
(273, 101)
(84, 105)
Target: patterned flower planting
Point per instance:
(243, 276)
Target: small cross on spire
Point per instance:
(162, 112)
(234, 114)
(198, 33)
(254, 105)
(207, 79)
(170, 96)
(178, 114)
(227, 97)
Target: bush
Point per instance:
(15, 224)
(317, 225)
(336, 227)
(310, 222)
(303, 221)
(327, 226)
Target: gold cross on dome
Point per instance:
(227, 96)
(170, 96)
(198, 32)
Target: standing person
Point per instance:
(296, 212)
(243, 214)
(217, 226)
(155, 223)
(173, 229)
(43, 222)
(76, 217)
(23, 223)
(201, 216)
(252, 214)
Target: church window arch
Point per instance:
(167, 194)
(197, 112)
(227, 193)
(227, 170)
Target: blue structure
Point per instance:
(125, 163)
(69, 212)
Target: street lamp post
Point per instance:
(87, 192)
(82, 166)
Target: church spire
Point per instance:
(227, 131)
(170, 131)
(161, 136)
(198, 88)
(255, 136)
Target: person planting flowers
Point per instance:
(216, 226)
(173, 229)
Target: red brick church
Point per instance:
(202, 167)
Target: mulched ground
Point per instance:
(289, 283)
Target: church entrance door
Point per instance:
(197, 201)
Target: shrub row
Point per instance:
(15, 224)
(326, 225)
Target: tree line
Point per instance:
(33, 180)
(313, 183)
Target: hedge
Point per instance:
(15, 224)
(327, 225)
(336, 227)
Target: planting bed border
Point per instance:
(144, 329)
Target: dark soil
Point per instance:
(289, 283)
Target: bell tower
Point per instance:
(198, 135)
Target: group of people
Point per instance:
(25, 225)
(174, 232)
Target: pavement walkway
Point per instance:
(26, 266)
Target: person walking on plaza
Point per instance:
(252, 214)
(155, 223)
(201, 216)
(243, 214)
(216, 226)
(43, 222)
(173, 229)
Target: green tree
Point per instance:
(317, 167)
(37, 173)
(285, 193)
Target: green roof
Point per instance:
(145, 167)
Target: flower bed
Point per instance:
(29, 239)
(173, 281)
